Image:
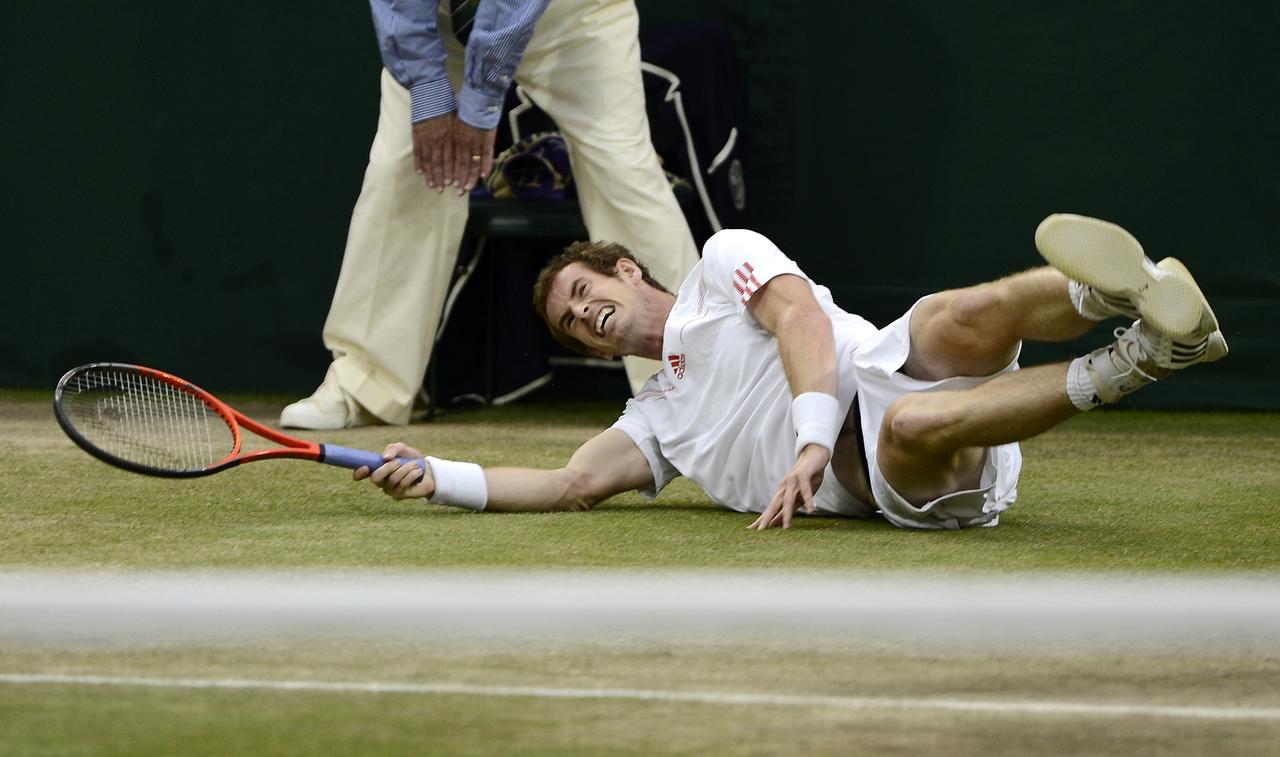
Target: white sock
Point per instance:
(1109, 373)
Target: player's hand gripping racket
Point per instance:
(151, 422)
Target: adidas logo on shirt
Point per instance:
(744, 280)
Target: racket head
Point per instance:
(146, 421)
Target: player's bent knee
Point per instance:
(964, 333)
(978, 308)
(973, 324)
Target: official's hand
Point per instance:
(472, 155)
(433, 150)
(408, 480)
(796, 487)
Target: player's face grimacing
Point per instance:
(598, 311)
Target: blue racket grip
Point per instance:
(346, 457)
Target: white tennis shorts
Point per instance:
(875, 366)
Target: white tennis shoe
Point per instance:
(1119, 279)
(328, 408)
(1142, 354)
(1112, 276)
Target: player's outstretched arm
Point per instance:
(607, 464)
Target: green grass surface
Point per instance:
(1107, 492)
(48, 719)
(1134, 491)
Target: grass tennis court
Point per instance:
(1133, 492)
(143, 720)
(1108, 491)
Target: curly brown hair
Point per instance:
(601, 257)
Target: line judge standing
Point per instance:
(578, 60)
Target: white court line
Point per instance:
(657, 695)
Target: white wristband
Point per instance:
(458, 484)
(816, 416)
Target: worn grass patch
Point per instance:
(57, 719)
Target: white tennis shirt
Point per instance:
(719, 411)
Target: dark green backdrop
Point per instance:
(179, 178)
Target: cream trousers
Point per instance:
(582, 67)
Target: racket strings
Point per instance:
(143, 420)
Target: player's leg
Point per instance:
(401, 249)
(977, 331)
(1099, 271)
(933, 443)
(583, 68)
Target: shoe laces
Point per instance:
(1157, 347)
(1158, 352)
(1132, 348)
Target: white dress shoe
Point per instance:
(328, 408)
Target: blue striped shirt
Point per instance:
(412, 50)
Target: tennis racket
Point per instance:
(148, 421)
